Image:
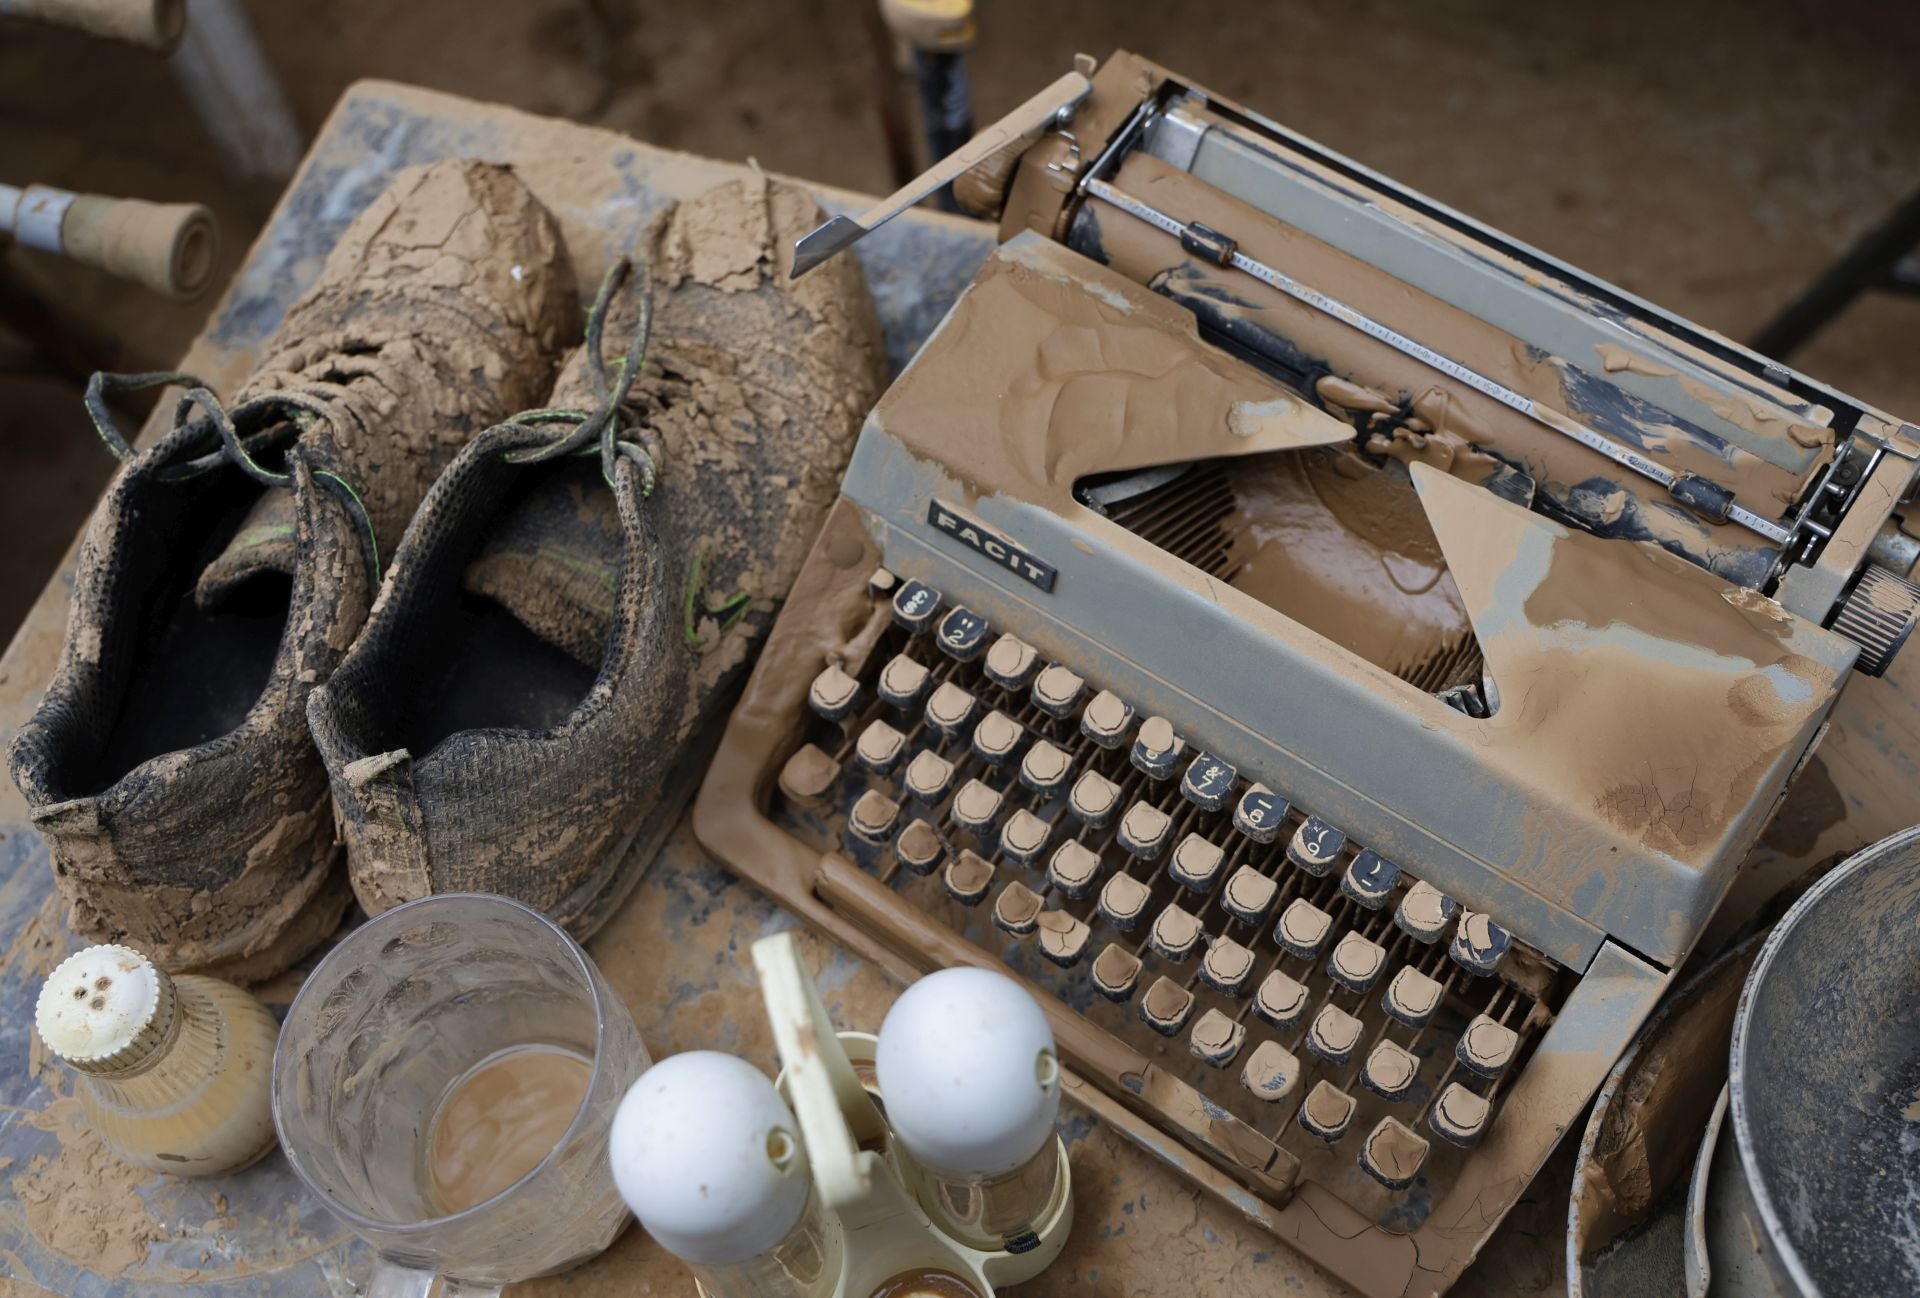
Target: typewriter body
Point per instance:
(1337, 656)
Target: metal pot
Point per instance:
(1824, 1087)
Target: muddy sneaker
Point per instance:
(524, 713)
(169, 765)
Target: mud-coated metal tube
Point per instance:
(153, 24)
(170, 248)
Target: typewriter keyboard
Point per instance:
(1320, 992)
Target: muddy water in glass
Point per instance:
(500, 1120)
(384, 1051)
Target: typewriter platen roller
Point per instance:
(1339, 657)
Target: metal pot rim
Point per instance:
(1787, 1256)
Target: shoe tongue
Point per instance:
(553, 562)
(264, 543)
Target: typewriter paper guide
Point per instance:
(1046, 374)
(1649, 712)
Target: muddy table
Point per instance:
(75, 1221)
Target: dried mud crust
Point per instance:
(441, 308)
(439, 312)
(754, 389)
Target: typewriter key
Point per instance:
(919, 847)
(997, 738)
(1175, 934)
(1356, 962)
(833, 693)
(967, 878)
(1249, 895)
(902, 682)
(1260, 814)
(1158, 750)
(1459, 1116)
(914, 606)
(1334, 1035)
(1393, 1154)
(1327, 1111)
(1057, 691)
(1017, 909)
(1045, 769)
(808, 774)
(1425, 912)
(879, 747)
(1216, 1038)
(873, 818)
(1073, 870)
(1486, 1047)
(1024, 837)
(1226, 966)
(1144, 829)
(1115, 970)
(1011, 662)
(1094, 799)
(976, 807)
(1166, 1006)
(1390, 1070)
(1303, 928)
(1316, 846)
(928, 776)
(1063, 939)
(1411, 997)
(962, 635)
(1479, 944)
(1370, 879)
(1207, 782)
(949, 710)
(1280, 1002)
(1195, 864)
(1123, 900)
(1271, 1072)
(1106, 720)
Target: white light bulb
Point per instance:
(708, 1156)
(966, 1065)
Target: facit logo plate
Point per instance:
(977, 536)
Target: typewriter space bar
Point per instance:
(1115, 1066)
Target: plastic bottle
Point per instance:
(174, 1074)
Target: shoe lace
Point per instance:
(268, 413)
(613, 427)
(617, 431)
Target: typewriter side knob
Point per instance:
(1878, 614)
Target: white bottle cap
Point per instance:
(708, 1156)
(966, 1067)
(104, 1009)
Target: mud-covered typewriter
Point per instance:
(1337, 655)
